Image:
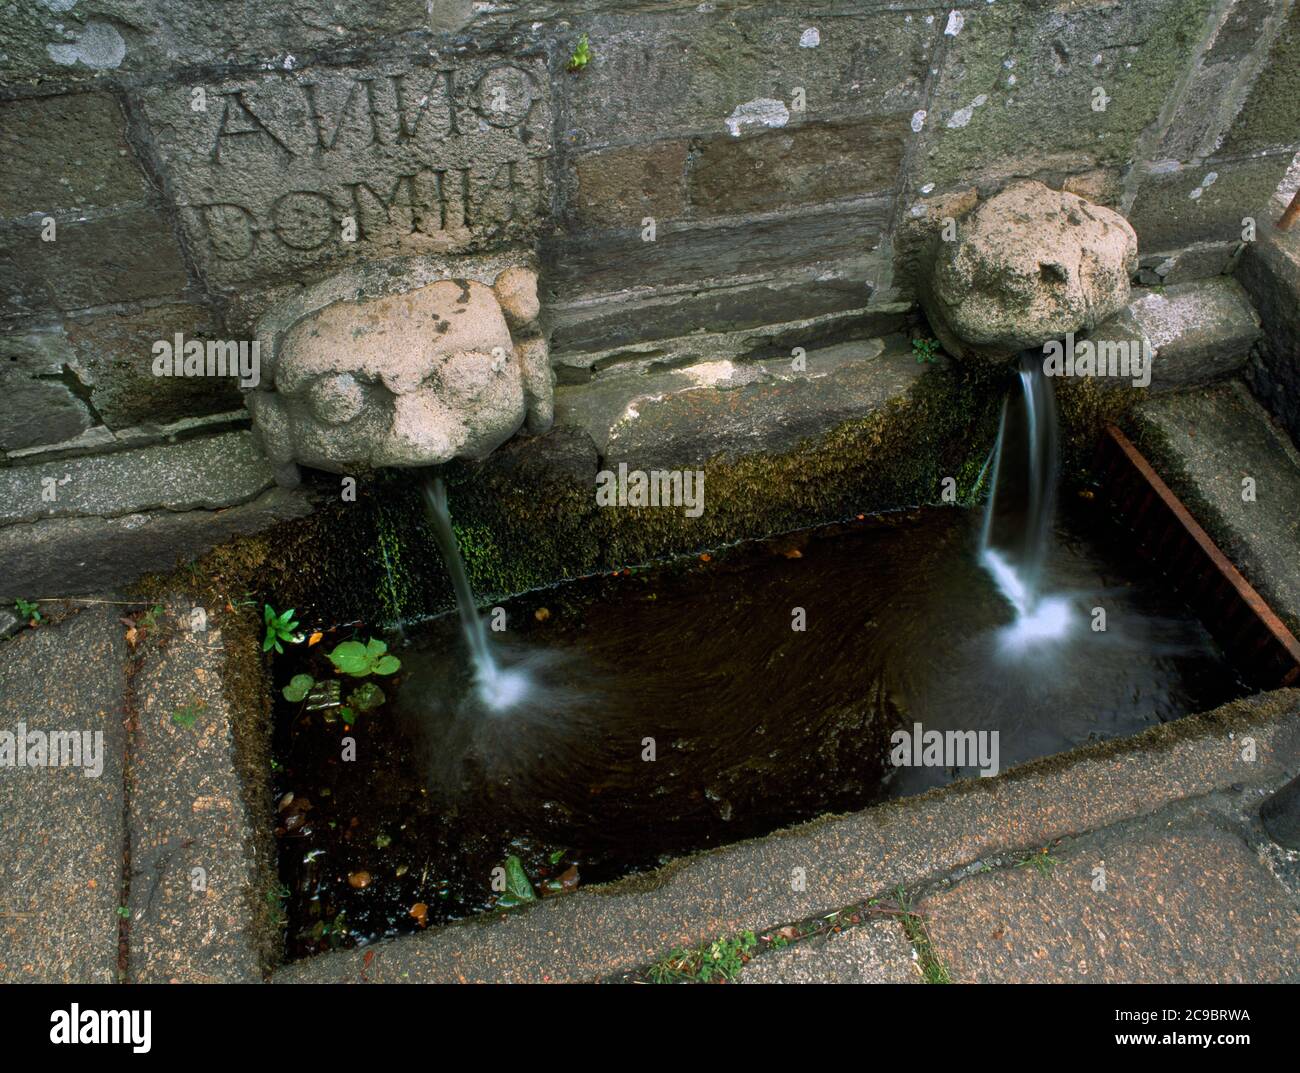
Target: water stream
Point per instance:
(1018, 522)
(497, 688)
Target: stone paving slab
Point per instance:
(61, 830)
(873, 953)
(1204, 444)
(1181, 906)
(600, 931)
(195, 869)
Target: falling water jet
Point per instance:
(497, 688)
(1018, 518)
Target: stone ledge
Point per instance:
(1191, 904)
(1203, 444)
(1199, 331)
(688, 415)
(77, 556)
(211, 472)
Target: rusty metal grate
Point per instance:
(1265, 652)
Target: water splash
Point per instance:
(1016, 538)
(498, 689)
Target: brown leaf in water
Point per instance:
(420, 912)
(359, 880)
(542, 614)
(314, 639)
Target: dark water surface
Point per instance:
(754, 725)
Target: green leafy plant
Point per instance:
(27, 610)
(519, 889)
(124, 912)
(581, 55)
(282, 627)
(298, 688)
(933, 971)
(715, 962)
(1042, 862)
(925, 350)
(361, 660)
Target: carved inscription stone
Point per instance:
(293, 170)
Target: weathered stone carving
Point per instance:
(400, 366)
(291, 170)
(1028, 265)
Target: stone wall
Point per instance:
(722, 180)
(194, 159)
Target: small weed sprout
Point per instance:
(581, 55)
(717, 962)
(925, 350)
(27, 611)
(282, 627)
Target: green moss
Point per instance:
(1271, 114)
(1048, 112)
(1086, 405)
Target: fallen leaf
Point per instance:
(420, 912)
(314, 639)
(541, 614)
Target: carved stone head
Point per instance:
(448, 368)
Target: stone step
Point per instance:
(157, 863)
(1199, 331)
(1239, 475)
